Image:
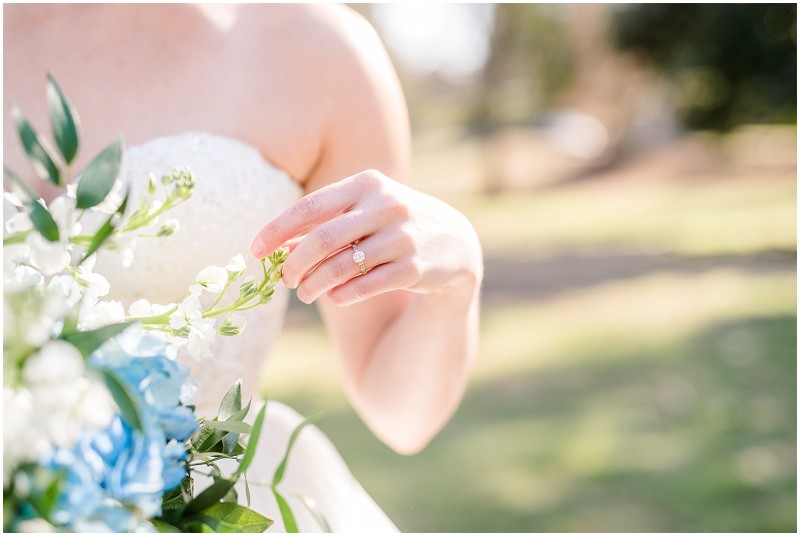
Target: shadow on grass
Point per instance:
(512, 279)
(700, 436)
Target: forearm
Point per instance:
(415, 376)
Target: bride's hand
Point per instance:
(410, 241)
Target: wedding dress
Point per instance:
(236, 192)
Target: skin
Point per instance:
(312, 88)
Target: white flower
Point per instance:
(233, 325)
(13, 199)
(48, 257)
(101, 314)
(63, 210)
(125, 244)
(18, 223)
(58, 362)
(95, 407)
(140, 307)
(37, 525)
(201, 330)
(236, 267)
(212, 278)
(201, 336)
(189, 310)
(18, 431)
(168, 227)
(24, 277)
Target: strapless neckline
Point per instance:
(237, 191)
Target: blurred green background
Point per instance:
(631, 171)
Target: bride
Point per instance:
(293, 121)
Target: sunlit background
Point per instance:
(631, 171)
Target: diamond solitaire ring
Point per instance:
(358, 256)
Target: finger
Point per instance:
(307, 212)
(341, 267)
(293, 242)
(384, 278)
(326, 240)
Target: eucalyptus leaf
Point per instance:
(19, 183)
(230, 426)
(89, 341)
(252, 444)
(289, 522)
(231, 441)
(63, 120)
(210, 496)
(231, 402)
(207, 439)
(96, 181)
(43, 221)
(38, 153)
(231, 517)
(105, 230)
(124, 399)
(314, 417)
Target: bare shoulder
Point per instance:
(340, 60)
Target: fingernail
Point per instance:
(257, 247)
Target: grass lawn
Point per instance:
(637, 368)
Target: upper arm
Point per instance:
(366, 120)
(366, 128)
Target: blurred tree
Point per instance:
(729, 63)
(530, 60)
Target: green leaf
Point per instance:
(43, 221)
(98, 178)
(231, 517)
(213, 494)
(237, 427)
(49, 498)
(89, 341)
(16, 238)
(252, 444)
(231, 497)
(63, 121)
(232, 402)
(207, 439)
(286, 512)
(14, 179)
(197, 526)
(231, 441)
(314, 417)
(123, 398)
(175, 500)
(163, 526)
(314, 510)
(105, 230)
(40, 156)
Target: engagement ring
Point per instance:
(358, 256)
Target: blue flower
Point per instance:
(156, 381)
(81, 493)
(116, 477)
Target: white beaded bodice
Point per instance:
(236, 192)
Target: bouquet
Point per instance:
(99, 432)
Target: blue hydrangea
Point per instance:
(115, 477)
